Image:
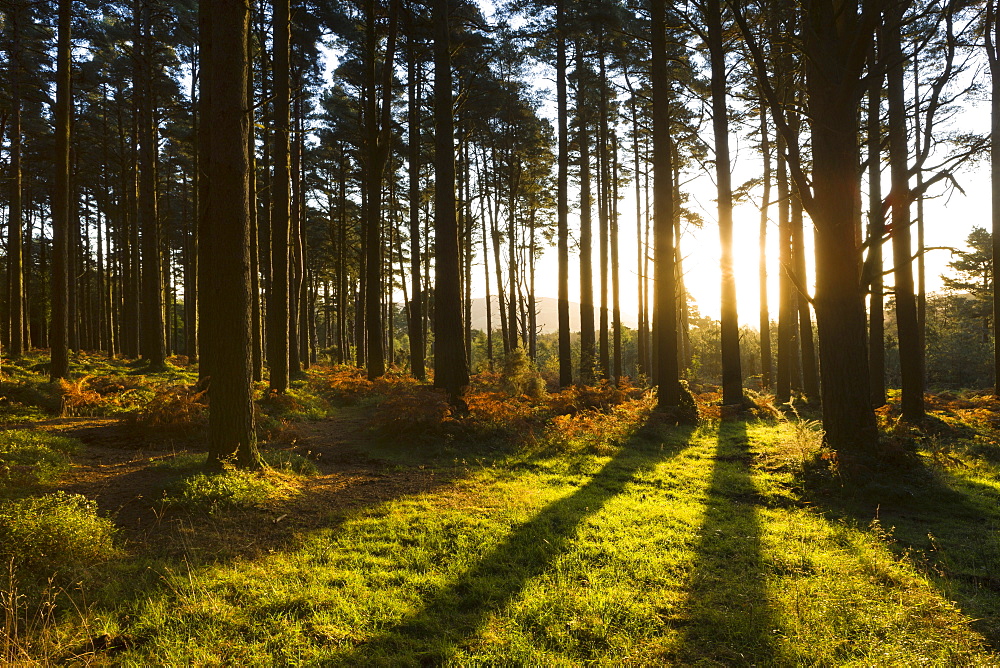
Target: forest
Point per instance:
(377, 333)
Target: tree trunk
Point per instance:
(912, 396)
(732, 374)
(15, 221)
(876, 227)
(764, 322)
(562, 199)
(277, 307)
(58, 338)
(451, 371)
(992, 32)
(151, 328)
(587, 342)
(231, 433)
(833, 70)
(664, 314)
(416, 306)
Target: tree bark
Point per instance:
(451, 370)
(664, 314)
(562, 199)
(58, 337)
(231, 433)
(277, 307)
(912, 395)
(732, 373)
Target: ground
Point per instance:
(384, 533)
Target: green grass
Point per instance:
(718, 547)
(29, 457)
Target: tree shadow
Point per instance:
(946, 525)
(727, 617)
(451, 615)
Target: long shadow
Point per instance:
(452, 615)
(727, 617)
(949, 526)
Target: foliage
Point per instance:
(174, 410)
(28, 456)
(212, 492)
(55, 533)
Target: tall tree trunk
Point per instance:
(562, 199)
(256, 352)
(993, 53)
(912, 395)
(664, 314)
(732, 374)
(616, 306)
(416, 306)
(15, 219)
(787, 314)
(876, 227)
(151, 329)
(451, 371)
(835, 59)
(231, 432)
(587, 342)
(58, 338)
(810, 372)
(603, 190)
(295, 236)
(277, 307)
(764, 322)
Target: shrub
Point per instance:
(31, 393)
(78, 399)
(28, 456)
(411, 410)
(176, 409)
(55, 533)
(210, 492)
(289, 462)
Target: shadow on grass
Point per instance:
(947, 524)
(727, 618)
(452, 615)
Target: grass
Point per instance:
(560, 533)
(708, 547)
(30, 457)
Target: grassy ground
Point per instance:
(737, 543)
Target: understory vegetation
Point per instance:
(543, 528)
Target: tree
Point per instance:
(974, 276)
(912, 396)
(232, 435)
(565, 361)
(664, 312)
(992, 33)
(836, 37)
(278, 294)
(451, 370)
(732, 375)
(58, 338)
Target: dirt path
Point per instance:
(118, 469)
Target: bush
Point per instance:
(28, 456)
(175, 409)
(289, 462)
(210, 492)
(53, 534)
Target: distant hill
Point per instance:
(547, 309)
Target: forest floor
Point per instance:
(564, 529)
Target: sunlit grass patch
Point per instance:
(28, 456)
(732, 544)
